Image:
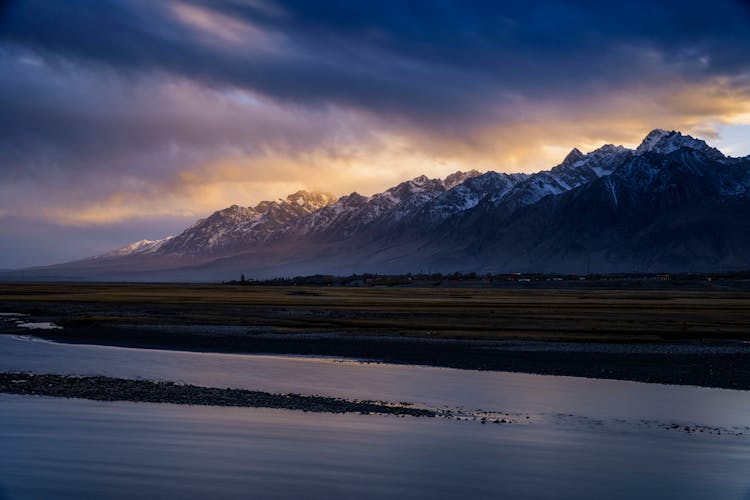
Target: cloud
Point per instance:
(99, 148)
(430, 62)
(121, 110)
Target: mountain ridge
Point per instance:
(598, 208)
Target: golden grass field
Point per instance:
(481, 313)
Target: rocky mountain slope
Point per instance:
(672, 204)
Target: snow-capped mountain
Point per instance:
(672, 204)
(458, 178)
(306, 214)
(231, 230)
(137, 248)
(467, 195)
(664, 142)
(575, 170)
(686, 210)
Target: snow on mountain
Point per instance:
(664, 142)
(684, 209)
(572, 157)
(352, 213)
(467, 195)
(412, 194)
(235, 228)
(139, 247)
(474, 213)
(575, 170)
(458, 178)
(421, 200)
(347, 213)
(232, 229)
(652, 138)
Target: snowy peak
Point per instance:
(136, 248)
(574, 155)
(421, 206)
(576, 169)
(467, 195)
(310, 200)
(416, 186)
(234, 212)
(664, 142)
(608, 149)
(235, 228)
(651, 140)
(354, 213)
(601, 161)
(459, 177)
(351, 200)
(301, 202)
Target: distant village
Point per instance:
(486, 279)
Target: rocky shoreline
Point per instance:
(99, 388)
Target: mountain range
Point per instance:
(673, 204)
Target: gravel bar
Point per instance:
(149, 391)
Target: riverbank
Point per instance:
(666, 336)
(717, 364)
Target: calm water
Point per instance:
(609, 442)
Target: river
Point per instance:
(572, 437)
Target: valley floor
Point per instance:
(670, 335)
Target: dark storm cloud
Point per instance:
(147, 37)
(73, 118)
(481, 34)
(427, 60)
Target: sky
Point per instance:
(129, 119)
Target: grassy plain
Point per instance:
(669, 335)
(458, 313)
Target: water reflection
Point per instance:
(434, 387)
(82, 449)
(57, 448)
